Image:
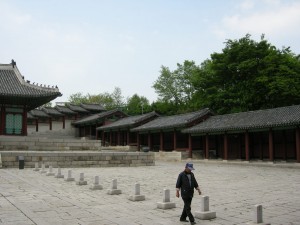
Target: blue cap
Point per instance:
(189, 166)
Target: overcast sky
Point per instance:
(93, 46)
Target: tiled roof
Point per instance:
(52, 111)
(77, 108)
(30, 116)
(95, 117)
(130, 121)
(93, 107)
(15, 88)
(176, 121)
(39, 113)
(65, 110)
(260, 119)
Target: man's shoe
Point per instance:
(192, 223)
(183, 220)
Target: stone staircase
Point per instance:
(29, 143)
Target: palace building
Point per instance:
(17, 97)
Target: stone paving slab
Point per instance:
(31, 198)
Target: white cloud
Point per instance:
(275, 20)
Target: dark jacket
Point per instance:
(183, 184)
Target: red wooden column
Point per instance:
(119, 137)
(174, 139)
(103, 138)
(161, 141)
(271, 148)
(206, 146)
(24, 122)
(64, 122)
(128, 137)
(2, 122)
(247, 145)
(298, 144)
(149, 140)
(36, 125)
(138, 141)
(110, 138)
(225, 147)
(50, 123)
(190, 146)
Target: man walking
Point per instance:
(186, 183)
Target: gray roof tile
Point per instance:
(260, 119)
(95, 117)
(92, 107)
(130, 121)
(77, 108)
(65, 110)
(13, 84)
(176, 121)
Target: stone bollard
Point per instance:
(36, 167)
(258, 216)
(59, 175)
(50, 172)
(43, 168)
(81, 180)
(166, 203)
(137, 196)
(96, 185)
(69, 178)
(204, 213)
(114, 190)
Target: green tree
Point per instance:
(175, 88)
(137, 105)
(248, 75)
(107, 100)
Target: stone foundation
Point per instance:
(77, 159)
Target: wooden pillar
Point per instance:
(271, 147)
(128, 137)
(50, 123)
(206, 146)
(284, 145)
(149, 140)
(174, 139)
(247, 146)
(103, 138)
(161, 141)
(36, 125)
(24, 122)
(2, 120)
(190, 146)
(298, 144)
(138, 141)
(110, 138)
(64, 122)
(225, 147)
(118, 137)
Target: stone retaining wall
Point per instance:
(77, 159)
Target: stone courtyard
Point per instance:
(28, 197)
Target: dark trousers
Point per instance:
(187, 209)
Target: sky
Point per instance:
(93, 46)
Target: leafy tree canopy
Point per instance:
(248, 75)
(137, 105)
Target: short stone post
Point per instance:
(114, 189)
(36, 167)
(204, 213)
(137, 196)
(96, 185)
(69, 178)
(258, 216)
(50, 172)
(166, 203)
(81, 180)
(43, 168)
(59, 175)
